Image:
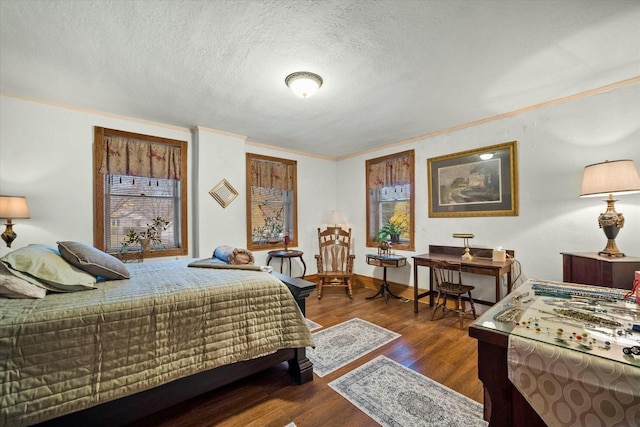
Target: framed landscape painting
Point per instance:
(479, 182)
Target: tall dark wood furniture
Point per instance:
(511, 408)
(589, 268)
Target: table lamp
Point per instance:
(12, 207)
(337, 219)
(616, 177)
(467, 252)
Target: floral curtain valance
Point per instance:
(271, 175)
(389, 173)
(125, 156)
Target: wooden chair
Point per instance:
(335, 260)
(448, 281)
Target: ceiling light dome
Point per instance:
(303, 83)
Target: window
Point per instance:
(390, 199)
(138, 178)
(272, 211)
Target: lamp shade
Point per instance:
(12, 207)
(303, 83)
(615, 177)
(336, 218)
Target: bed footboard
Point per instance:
(128, 409)
(300, 288)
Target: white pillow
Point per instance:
(12, 286)
(42, 265)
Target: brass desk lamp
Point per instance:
(467, 252)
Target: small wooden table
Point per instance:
(482, 263)
(385, 261)
(288, 254)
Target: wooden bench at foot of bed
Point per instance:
(128, 409)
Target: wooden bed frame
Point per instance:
(128, 409)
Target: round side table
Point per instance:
(288, 254)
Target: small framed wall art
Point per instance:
(479, 182)
(224, 193)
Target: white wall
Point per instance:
(316, 198)
(554, 145)
(46, 155)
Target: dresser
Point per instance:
(589, 268)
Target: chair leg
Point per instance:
(435, 307)
(473, 308)
(461, 306)
(320, 288)
(349, 289)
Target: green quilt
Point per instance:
(68, 352)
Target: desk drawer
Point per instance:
(387, 262)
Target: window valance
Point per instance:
(133, 157)
(268, 174)
(390, 172)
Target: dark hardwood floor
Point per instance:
(438, 349)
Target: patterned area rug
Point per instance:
(343, 343)
(394, 395)
(312, 325)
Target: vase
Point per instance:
(145, 244)
(395, 238)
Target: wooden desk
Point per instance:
(482, 263)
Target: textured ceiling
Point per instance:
(392, 70)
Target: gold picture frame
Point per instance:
(224, 193)
(479, 182)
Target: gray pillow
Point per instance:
(93, 261)
(11, 286)
(42, 265)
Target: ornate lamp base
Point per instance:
(611, 249)
(611, 222)
(9, 235)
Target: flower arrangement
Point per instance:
(149, 237)
(392, 229)
(272, 230)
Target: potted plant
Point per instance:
(148, 238)
(391, 230)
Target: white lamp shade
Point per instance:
(12, 207)
(336, 218)
(615, 177)
(303, 83)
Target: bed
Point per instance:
(131, 347)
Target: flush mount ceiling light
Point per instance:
(303, 83)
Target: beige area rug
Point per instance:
(396, 396)
(345, 342)
(312, 325)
